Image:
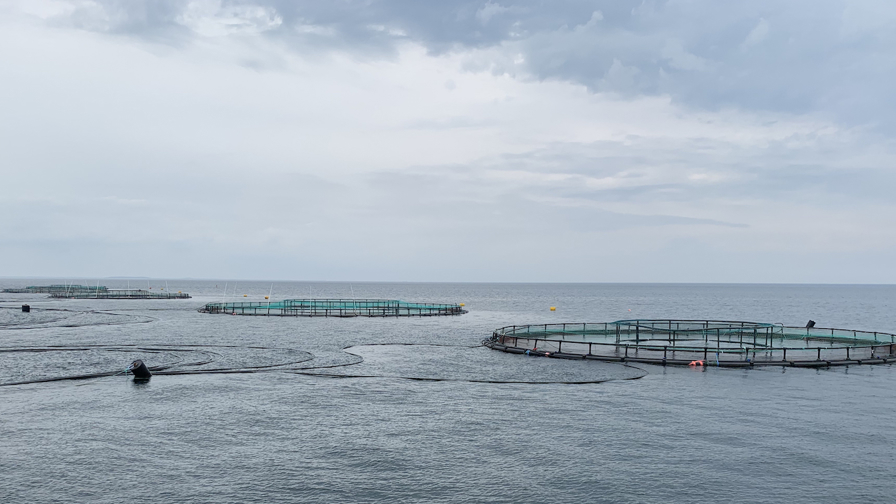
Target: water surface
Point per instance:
(411, 410)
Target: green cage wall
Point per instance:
(335, 308)
(706, 342)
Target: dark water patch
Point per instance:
(436, 362)
(28, 365)
(12, 318)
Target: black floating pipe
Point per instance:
(139, 370)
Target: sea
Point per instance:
(250, 409)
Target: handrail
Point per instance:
(745, 336)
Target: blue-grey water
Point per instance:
(415, 410)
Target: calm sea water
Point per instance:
(401, 410)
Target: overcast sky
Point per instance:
(582, 141)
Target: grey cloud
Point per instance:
(220, 198)
(392, 224)
(655, 171)
(151, 20)
(831, 56)
(435, 207)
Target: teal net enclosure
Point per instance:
(698, 342)
(54, 289)
(335, 308)
(118, 294)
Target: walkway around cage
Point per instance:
(698, 342)
(335, 308)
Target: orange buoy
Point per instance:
(696, 363)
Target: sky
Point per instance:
(512, 141)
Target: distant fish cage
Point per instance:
(119, 294)
(335, 308)
(53, 289)
(698, 342)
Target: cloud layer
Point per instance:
(567, 141)
(803, 56)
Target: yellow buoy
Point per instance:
(463, 304)
(266, 297)
(553, 308)
(245, 295)
(179, 292)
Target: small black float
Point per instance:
(139, 370)
(26, 308)
(810, 324)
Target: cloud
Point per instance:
(620, 77)
(488, 11)
(596, 17)
(570, 141)
(210, 18)
(757, 34)
(681, 59)
(695, 52)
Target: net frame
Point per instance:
(119, 294)
(709, 342)
(334, 308)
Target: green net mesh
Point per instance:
(704, 341)
(335, 308)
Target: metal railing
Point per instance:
(709, 342)
(119, 294)
(335, 308)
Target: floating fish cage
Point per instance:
(698, 342)
(54, 289)
(119, 294)
(335, 308)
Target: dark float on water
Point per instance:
(139, 370)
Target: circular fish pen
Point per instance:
(698, 342)
(119, 294)
(335, 308)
